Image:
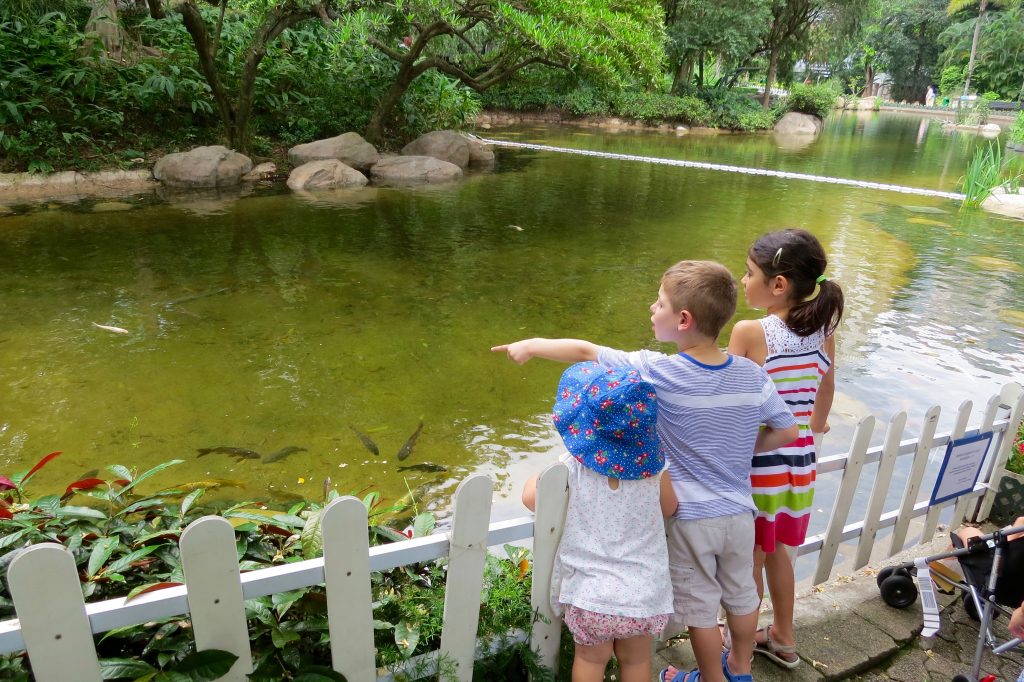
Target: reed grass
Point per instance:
(984, 173)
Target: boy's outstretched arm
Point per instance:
(560, 350)
(773, 439)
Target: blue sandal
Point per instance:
(680, 676)
(729, 676)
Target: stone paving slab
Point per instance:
(846, 632)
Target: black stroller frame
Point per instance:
(985, 595)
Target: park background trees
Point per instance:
(87, 83)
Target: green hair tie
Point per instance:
(821, 278)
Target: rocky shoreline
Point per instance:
(348, 161)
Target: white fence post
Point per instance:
(47, 596)
(917, 467)
(931, 520)
(841, 507)
(349, 602)
(1011, 398)
(210, 563)
(467, 558)
(880, 489)
(552, 498)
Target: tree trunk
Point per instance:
(773, 67)
(869, 81)
(235, 117)
(974, 46)
(700, 70)
(156, 9)
(207, 64)
(106, 27)
(375, 129)
(682, 77)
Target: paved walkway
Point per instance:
(846, 632)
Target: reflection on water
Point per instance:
(274, 321)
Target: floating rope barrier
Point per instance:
(733, 169)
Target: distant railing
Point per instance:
(56, 627)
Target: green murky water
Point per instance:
(276, 321)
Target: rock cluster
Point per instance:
(344, 161)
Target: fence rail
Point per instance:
(56, 627)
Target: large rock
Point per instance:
(479, 153)
(795, 123)
(349, 148)
(214, 166)
(1004, 203)
(449, 146)
(408, 170)
(324, 174)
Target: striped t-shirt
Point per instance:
(708, 420)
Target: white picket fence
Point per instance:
(56, 627)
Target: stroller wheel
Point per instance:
(883, 574)
(890, 570)
(970, 608)
(961, 678)
(898, 590)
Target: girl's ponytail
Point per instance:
(798, 256)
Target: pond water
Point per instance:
(278, 321)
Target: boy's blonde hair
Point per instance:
(706, 289)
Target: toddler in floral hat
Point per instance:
(611, 580)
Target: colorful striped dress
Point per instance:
(782, 480)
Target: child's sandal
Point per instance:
(776, 652)
(680, 676)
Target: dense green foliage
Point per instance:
(262, 75)
(818, 100)
(125, 543)
(60, 109)
(540, 89)
(1017, 131)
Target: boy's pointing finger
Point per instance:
(500, 349)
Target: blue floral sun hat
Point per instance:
(606, 417)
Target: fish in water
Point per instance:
(210, 484)
(426, 466)
(282, 453)
(365, 440)
(116, 330)
(406, 450)
(237, 453)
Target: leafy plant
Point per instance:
(951, 82)
(124, 542)
(1016, 461)
(984, 173)
(1017, 130)
(817, 100)
(975, 112)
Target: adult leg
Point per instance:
(591, 661)
(634, 657)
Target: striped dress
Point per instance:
(782, 481)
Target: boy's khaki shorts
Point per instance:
(711, 562)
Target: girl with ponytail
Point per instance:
(795, 343)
